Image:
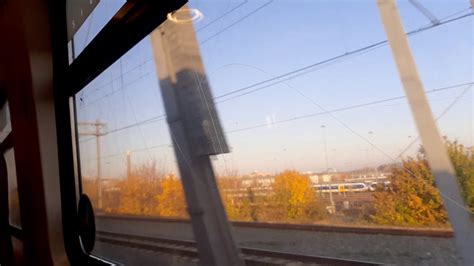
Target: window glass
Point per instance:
(311, 101)
(325, 158)
(126, 156)
(85, 19)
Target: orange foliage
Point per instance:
(146, 192)
(463, 161)
(138, 196)
(149, 193)
(90, 187)
(412, 200)
(293, 198)
(171, 201)
(243, 208)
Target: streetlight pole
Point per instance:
(327, 172)
(97, 133)
(129, 164)
(99, 170)
(325, 146)
(369, 153)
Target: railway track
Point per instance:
(187, 248)
(387, 230)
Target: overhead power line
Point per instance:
(106, 84)
(88, 103)
(283, 77)
(341, 109)
(163, 116)
(444, 112)
(134, 150)
(291, 74)
(139, 123)
(237, 21)
(209, 38)
(288, 75)
(223, 15)
(425, 11)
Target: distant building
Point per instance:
(314, 178)
(326, 177)
(367, 177)
(258, 179)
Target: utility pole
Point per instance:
(438, 158)
(333, 208)
(370, 153)
(325, 147)
(129, 164)
(99, 131)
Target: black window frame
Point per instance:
(134, 21)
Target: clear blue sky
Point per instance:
(281, 37)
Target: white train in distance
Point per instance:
(350, 187)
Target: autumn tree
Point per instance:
(245, 207)
(239, 201)
(170, 201)
(137, 196)
(463, 162)
(138, 192)
(292, 198)
(254, 204)
(90, 187)
(413, 199)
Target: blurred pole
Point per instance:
(433, 144)
(196, 134)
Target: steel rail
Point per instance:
(442, 232)
(187, 248)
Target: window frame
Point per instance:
(134, 21)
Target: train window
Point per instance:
(325, 158)
(85, 19)
(126, 156)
